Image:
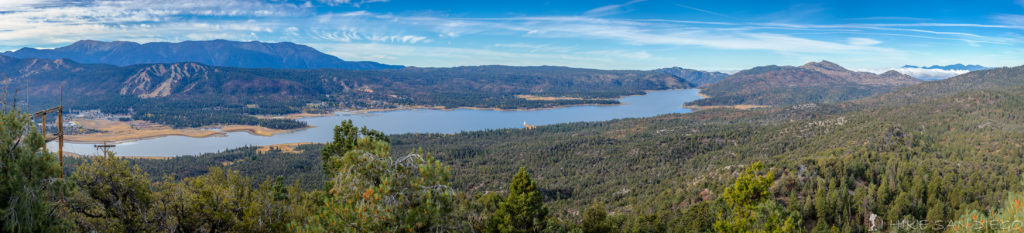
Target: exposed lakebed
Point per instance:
(407, 121)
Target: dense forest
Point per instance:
(939, 156)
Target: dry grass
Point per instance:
(546, 98)
(119, 131)
(738, 106)
(294, 116)
(255, 130)
(286, 148)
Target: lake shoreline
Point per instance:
(113, 136)
(431, 120)
(118, 132)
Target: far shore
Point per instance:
(526, 97)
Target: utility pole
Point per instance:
(59, 136)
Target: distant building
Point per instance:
(528, 126)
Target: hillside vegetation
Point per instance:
(814, 82)
(905, 158)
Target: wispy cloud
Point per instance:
(611, 9)
(704, 11)
(355, 3)
(857, 41)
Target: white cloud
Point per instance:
(930, 74)
(857, 41)
(920, 73)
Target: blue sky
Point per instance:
(708, 35)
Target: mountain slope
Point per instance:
(695, 77)
(216, 53)
(813, 82)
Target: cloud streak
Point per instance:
(611, 9)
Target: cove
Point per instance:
(407, 121)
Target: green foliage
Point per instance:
(29, 183)
(1009, 218)
(111, 197)
(301, 168)
(224, 201)
(522, 210)
(750, 188)
(752, 208)
(595, 220)
(346, 138)
(371, 191)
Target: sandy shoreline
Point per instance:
(738, 106)
(120, 132)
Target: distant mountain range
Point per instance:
(284, 55)
(813, 82)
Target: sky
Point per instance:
(624, 34)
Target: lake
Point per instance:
(407, 121)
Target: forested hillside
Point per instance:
(904, 158)
(814, 82)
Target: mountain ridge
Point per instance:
(822, 81)
(253, 54)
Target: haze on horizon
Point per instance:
(637, 34)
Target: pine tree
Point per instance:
(522, 211)
(595, 220)
(371, 191)
(346, 138)
(29, 183)
(113, 197)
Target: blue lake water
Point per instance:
(407, 121)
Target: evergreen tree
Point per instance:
(753, 210)
(346, 138)
(595, 220)
(29, 183)
(522, 211)
(112, 197)
(371, 191)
